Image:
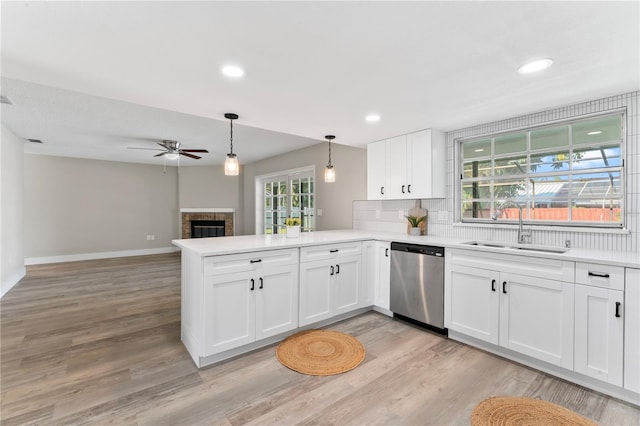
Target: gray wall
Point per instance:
(207, 186)
(335, 199)
(11, 210)
(78, 206)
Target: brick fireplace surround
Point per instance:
(187, 217)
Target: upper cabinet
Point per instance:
(407, 167)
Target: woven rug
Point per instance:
(514, 410)
(320, 352)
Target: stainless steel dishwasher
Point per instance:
(417, 284)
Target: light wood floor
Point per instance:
(98, 342)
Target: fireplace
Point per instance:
(204, 223)
(207, 228)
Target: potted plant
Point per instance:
(293, 227)
(414, 223)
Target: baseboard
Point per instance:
(100, 255)
(11, 281)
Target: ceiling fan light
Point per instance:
(171, 155)
(231, 166)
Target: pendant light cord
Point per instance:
(231, 135)
(329, 152)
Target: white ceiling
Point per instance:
(91, 78)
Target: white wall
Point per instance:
(11, 216)
(335, 199)
(80, 209)
(207, 186)
(365, 211)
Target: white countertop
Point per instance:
(250, 243)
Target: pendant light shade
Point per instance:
(231, 165)
(329, 171)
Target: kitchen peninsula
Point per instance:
(245, 292)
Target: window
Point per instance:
(289, 194)
(567, 173)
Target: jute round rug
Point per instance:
(515, 410)
(320, 352)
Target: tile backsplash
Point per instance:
(388, 215)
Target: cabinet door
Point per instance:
(276, 301)
(346, 282)
(376, 170)
(536, 318)
(367, 282)
(631, 313)
(599, 333)
(230, 312)
(315, 291)
(397, 168)
(473, 302)
(383, 275)
(418, 155)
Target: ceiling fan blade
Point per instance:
(151, 149)
(194, 150)
(189, 155)
(163, 144)
(160, 155)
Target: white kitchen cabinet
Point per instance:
(599, 333)
(473, 302)
(631, 314)
(376, 170)
(258, 300)
(520, 303)
(411, 166)
(331, 285)
(367, 282)
(382, 276)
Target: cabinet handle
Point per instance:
(382, 190)
(261, 283)
(255, 261)
(337, 269)
(618, 309)
(493, 285)
(333, 251)
(253, 284)
(409, 189)
(386, 252)
(403, 188)
(504, 287)
(332, 270)
(595, 274)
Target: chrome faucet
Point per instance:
(524, 237)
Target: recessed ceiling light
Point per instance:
(535, 66)
(372, 118)
(595, 132)
(232, 71)
(479, 150)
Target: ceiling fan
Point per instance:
(171, 150)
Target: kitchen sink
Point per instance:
(523, 247)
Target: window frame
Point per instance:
(493, 201)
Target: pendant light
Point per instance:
(329, 172)
(231, 166)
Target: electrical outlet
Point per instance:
(319, 212)
(153, 237)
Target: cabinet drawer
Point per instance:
(329, 251)
(598, 275)
(217, 265)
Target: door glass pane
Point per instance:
(550, 162)
(475, 209)
(481, 189)
(511, 166)
(477, 168)
(513, 189)
(597, 157)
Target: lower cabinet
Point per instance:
(599, 333)
(329, 286)
(250, 305)
(631, 312)
(524, 313)
(382, 275)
